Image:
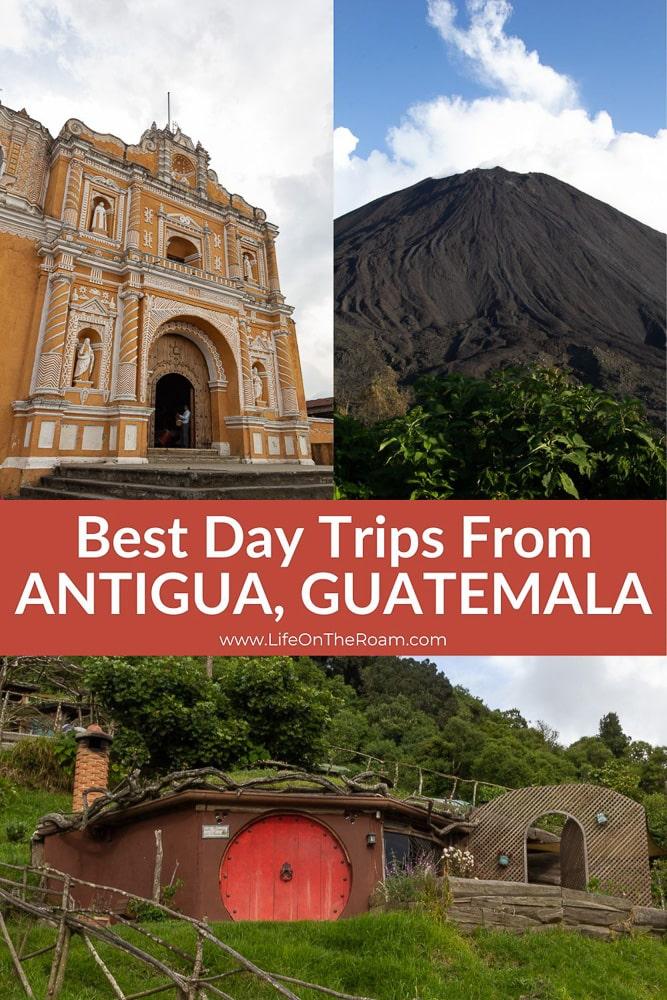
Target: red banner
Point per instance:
(309, 577)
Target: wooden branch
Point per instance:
(15, 959)
(197, 969)
(139, 929)
(61, 949)
(105, 969)
(70, 921)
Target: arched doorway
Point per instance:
(172, 392)
(178, 374)
(285, 867)
(556, 852)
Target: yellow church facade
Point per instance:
(132, 285)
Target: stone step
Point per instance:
(70, 488)
(189, 456)
(219, 476)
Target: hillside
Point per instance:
(490, 268)
(393, 956)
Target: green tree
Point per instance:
(286, 704)
(612, 735)
(168, 714)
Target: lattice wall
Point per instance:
(616, 852)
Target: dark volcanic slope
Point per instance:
(490, 268)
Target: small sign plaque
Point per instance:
(216, 832)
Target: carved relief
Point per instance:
(159, 311)
(92, 310)
(263, 362)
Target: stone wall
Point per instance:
(521, 906)
(518, 907)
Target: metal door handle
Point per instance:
(286, 872)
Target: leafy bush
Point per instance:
(7, 788)
(16, 832)
(520, 434)
(170, 715)
(143, 911)
(659, 883)
(36, 763)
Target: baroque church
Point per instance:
(132, 285)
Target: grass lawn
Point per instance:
(397, 956)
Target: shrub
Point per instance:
(520, 434)
(35, 763)
(415, 883)
(16, 832)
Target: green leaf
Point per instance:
(568, 485)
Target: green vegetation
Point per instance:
(173, 715)
(519, 434)
(404, 714)
(396, 956)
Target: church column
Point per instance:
(285, 375)
(206, 249)
(51, 354)
(134, 219)
(232, 240)
(272, 264)
(246, 374)
(126, 381)
(73, 194)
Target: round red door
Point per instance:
(285, 868)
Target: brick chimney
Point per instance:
(91, 768)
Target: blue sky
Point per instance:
(389, 58)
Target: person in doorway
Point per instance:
(183, 424)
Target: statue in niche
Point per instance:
(85, 362)
(257, 384)
(247, 267)
(100, 219)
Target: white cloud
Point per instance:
(252, 82)
(500, 60)
(535, 122)
(571, 693)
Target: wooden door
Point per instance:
(285, 867)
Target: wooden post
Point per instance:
(61, 953)
(16, 962)
(157, 871)
(194, 990)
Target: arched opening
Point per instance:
(183, 251)
(172, 393)
(556, 852)
(183, 170)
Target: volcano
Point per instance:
(492, 268)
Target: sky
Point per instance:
(435, 87)
(571, 693)
(251, 81)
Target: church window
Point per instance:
(183, 170)
(183, 251)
